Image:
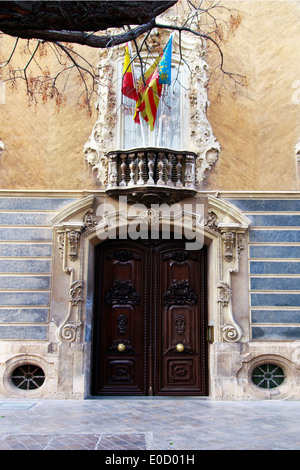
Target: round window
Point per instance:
(28, 377)
(268, 376)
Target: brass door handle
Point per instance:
(121, 347)
(179, 347)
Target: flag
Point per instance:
(150, 91)
(149, 95)
(128, 85)
(164, 66)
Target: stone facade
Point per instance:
(55, 173)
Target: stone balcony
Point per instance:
(151, 175)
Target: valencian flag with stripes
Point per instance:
(128, 81)
(150, 88)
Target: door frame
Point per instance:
(224, 229)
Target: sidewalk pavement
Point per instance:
(158, 424)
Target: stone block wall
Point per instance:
(274, 266)
(26, 238)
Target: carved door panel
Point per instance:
(149, 333)
(181, 322)
(120, 323)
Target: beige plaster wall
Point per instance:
(43, 147)
(258, 128)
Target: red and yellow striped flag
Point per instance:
(149, 95)
(128, 79)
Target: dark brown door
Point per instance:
(150, 319)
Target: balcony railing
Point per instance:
(162, 172)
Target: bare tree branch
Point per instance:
(81, 23)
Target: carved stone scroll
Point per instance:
(68, 330)
(70, 223)
(230, 224)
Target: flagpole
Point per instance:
(161, 117)
(150, 93)
(142, 131)
(167, 58)
(132, 66)
(135, 86)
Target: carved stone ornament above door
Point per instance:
(224, 228)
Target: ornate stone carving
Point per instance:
(202, 138)
(224, 293)
(231, 333)
(70, 223)
(229, 224)
(123, 293)
(222, 217)
(104, 136)
(61, 243)
(211, 223)
(228, 238)
(69, 329)
(89, 220)
(180, 293)
(75, 292)
(240, 244)
(73, 238)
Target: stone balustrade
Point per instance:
(151, 167)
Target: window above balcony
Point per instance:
(170, 129)
(181, 124)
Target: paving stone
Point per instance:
(122, 442)
(145, 424)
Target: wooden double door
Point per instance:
(149, 319)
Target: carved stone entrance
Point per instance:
(150, 319)
(80, 227)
